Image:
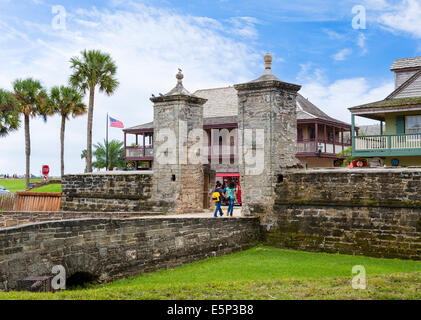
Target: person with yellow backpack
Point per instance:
(217, 197)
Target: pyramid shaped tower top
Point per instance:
(267, 79)
(179, 92)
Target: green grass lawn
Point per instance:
(15, 185)
(48, 188)
(260, 273)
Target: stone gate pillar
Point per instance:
(178, 176)
(267, 123)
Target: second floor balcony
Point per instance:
(139, 153)
(305, 147)
(387, 145)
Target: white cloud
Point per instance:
(342, 55)
(404, 16)
(308, 74)
(148, 45)
(336, 97)
(333, 34)
(244, 26)
(361, 41)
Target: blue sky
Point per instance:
(216, 43)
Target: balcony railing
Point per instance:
(404, 144)
(309, 146)
(139, 152)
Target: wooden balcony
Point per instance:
(327, 148)
(139, 153)
(387, 145)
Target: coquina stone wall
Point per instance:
(108, 249)
(267, 122)
(365, 212)
(111, 192)
(18, 218)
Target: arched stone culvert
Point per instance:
(80, 279)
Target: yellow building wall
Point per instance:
(390, 120)
(407, 161)
(316, 162)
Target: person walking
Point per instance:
(217, 197)
(231, 194)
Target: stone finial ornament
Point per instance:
(268, 61)
(180, 76)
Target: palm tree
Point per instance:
(83, 156)
(93, 69)
(9, 115)
(67, 102)
(31, 101)
(115, 155)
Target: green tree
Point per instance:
(66, 102)
(115, 155)
(94, 69)
(348, 153)
(31, 101)
(83, 156)
(9, 115)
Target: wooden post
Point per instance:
(144, 146)
(125, 146)
(325, 135)
(343, 143)
(317, 136)
(334, 140)
(353, 133)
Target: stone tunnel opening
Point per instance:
(80, 280)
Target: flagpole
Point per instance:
(106, 148)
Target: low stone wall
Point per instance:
(17, 218)
(109, 249)
(110, 192)
(365, 212)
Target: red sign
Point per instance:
(45, 170)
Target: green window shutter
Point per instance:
(400, 125)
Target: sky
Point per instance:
(339, 55)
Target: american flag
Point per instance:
(116, 123)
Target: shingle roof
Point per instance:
(222, 108)
(399, 102)
(148, 125)
(221, 102)
(414, 62)
(307, 110)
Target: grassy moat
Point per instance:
(259, 273)
(16, 185)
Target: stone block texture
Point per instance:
(110, 192)
(18, 218)
(111, 248)
(176, 179)
(269, 106)
(363, 212)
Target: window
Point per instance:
(413, 124)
